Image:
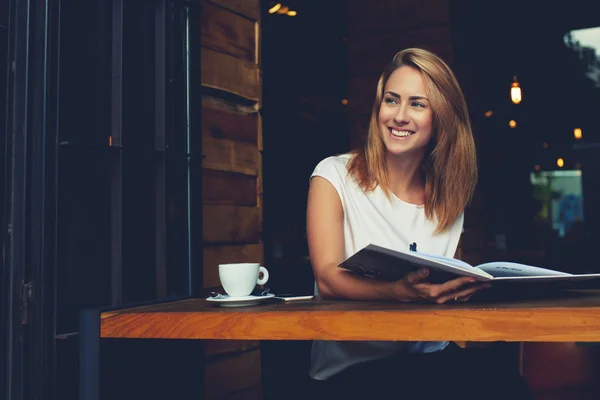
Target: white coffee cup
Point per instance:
(240, 279)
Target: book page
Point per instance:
(374, 260)
(452, 261)
(500, 269)
(432, 257)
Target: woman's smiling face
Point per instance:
(405, 115)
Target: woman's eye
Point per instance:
(418, 105)
(390, 100)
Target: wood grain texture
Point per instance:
(231, 375)
(377, 16)
(257, 44)
(248, 8)
(227, 32)
(229, 104)
(568, 319)
(259, 191)
(260, 132)
(230, 74)
(220, 187)
(215, 255)
(230, 52)
(231, 156)
(370, 54)
(221, 121)
(230, 224)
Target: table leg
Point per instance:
(89, 355)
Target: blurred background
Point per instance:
(538, 184)
(147, 141)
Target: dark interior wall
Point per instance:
(306, 70)
(304, 120)
(494, 41)
(3, 79)
(3, 84)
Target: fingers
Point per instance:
(451, 286)
(417, 276)
(441, 293)
(464, 299)
(464, 294)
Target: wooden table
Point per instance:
(569, 317)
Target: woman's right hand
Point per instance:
(414, 287)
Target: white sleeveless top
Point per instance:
(370, 217)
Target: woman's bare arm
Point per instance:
(325, 229)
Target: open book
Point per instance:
(382, 263)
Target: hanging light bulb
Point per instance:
(577, 133)
(274, 9)
(560, 162)
(515, 91)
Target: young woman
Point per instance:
(409, 185)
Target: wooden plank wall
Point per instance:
(232, 175)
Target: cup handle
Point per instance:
(265, 278)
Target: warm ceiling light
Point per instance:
(344, 101)
(577, 133)
(512, 123)
(515, 91)
(274, 9)
(292, 13)
(560, 162)
(545, 145)
(538, 168)
(489, 113)
(283, 10)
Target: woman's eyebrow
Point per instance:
(396, 95)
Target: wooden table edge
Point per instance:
(555, 324)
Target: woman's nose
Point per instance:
(401, 116)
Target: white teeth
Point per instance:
(400, 133)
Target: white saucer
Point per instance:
(228, 301)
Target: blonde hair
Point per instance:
(450, 163)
